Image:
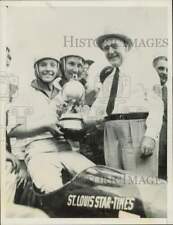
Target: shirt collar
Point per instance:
(115, 68)
(40, 86)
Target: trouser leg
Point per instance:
(111, 146)
(45, 170)
(163, 152)
(130, 134)
(45, 167)
(43, 163)
(128, 153)
(144, 166)
(74, 161)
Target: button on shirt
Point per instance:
(131, 97)
(31, 106)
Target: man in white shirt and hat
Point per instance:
(133, 115)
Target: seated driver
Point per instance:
(45, 151)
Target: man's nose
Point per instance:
(48, 67)
(111, 50)
(75, 69)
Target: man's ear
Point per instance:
(36, 70)
(59, 72)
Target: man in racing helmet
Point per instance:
(46, 152)
(71, 67)
(46, 70)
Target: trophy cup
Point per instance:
(71, 121)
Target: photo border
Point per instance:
(125, 3)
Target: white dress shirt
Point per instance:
(132, 96)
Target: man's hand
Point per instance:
(36, 125)
(56, 129)
(147, 146)
(100, 124)
(51, 123)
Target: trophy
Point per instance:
(71, 121)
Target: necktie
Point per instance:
(113, 93)
(164, 93)
(164, 98)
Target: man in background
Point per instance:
(86, 67)
(160, 64)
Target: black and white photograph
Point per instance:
(86, 98)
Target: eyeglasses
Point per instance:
(162, 68)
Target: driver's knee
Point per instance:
(46, 175)
(75, 161)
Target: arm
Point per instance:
(22, 122)
(153, 123)
(30, 129)
(154, 120)
(35, 125)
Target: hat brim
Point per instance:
(127, 41)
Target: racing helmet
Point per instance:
(40, 57)
(37, 60)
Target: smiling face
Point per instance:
(47, 70)
(73, 67)
(162, 70)
(114, 50)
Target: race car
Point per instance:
(98, 191)
(104, 192)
